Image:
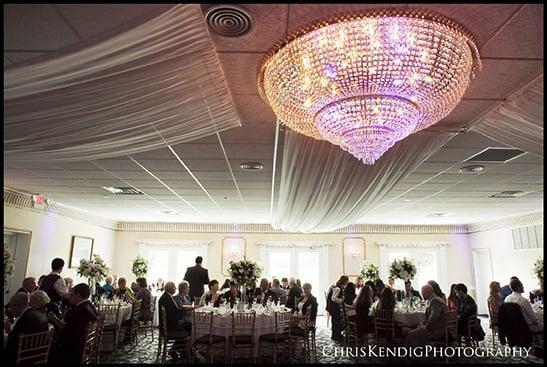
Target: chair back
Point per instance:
(451, 326)
(153, 303)
(111, 313)
(491, 314)
(512, 327)
(202, 322)
(98, 339)
(34, 348)
(90, 342)
(384, 326)
(243, 323)
(162, 322)
(136, 311)
(283, 322)
(472, 324)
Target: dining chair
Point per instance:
(90, 342)
(96, 349)
(281, 335)
(303, 329)
(111, 321)
(384, 327)
(133, 322)
(493, 322)
(149, 323)
(243, 334)
(469, 336)
(34, 348)
(202, 324)
(172, 337)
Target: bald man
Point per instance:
(174, 319)
(27, 321)
(434, 327)
(29, 285)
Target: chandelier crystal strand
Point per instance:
(364, 82)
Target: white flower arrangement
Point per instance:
(402, 269)
(245, 273)
(537, 270)
(140, 267)
(370, 271)
(95, 270)
(9, 264)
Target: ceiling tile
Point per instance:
(252, 108)
(241, 71)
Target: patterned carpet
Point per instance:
(146, 351)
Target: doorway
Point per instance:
(18, 244)
(482, 270)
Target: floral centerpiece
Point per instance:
(402, 269)
(140, 267)
(370, 271)
(537, 270)
(245, 273)
(94, 270)
(9, 264)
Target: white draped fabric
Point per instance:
(160, 80)
(518, 122)
(324, 188)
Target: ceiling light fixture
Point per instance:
(437, 215)
(251, 166)
(366, 81)
(472, 169)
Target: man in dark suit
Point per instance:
(264, 293)
(408, 293)
(73, 334)
(467, 309)
(434, 327)
(29, 285)
(295, 293)
(27, 321)
(176, 327)
(197, 276)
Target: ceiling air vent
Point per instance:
(229, 20)
(123, 190)
(251, 166)
(496, 155)
(508, 194)
(471, 169)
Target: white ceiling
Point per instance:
(510, 38)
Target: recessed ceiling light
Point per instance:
(436, 215)
(251, 166)
(475, 168)
(113, 190)
(170, 212)
(407, 200)
(226, 198)
(508, 194)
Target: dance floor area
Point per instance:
(146, 352)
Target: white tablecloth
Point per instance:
(409, 318)
(124, 314)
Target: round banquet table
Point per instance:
(409, 318)
(222, 325)
(124, 314)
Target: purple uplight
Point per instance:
(330, 71)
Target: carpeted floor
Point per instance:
(146, 352)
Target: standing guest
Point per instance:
(362, 305)
(280, 294)
(408, 293)
(183, 298)
(335, 298)
(526, 307)
(73, 334)
(378, 287)
(122, 291)
(108, 288)
(225, 285)
(212, 295)
(453, 301)
(69, 283)
(294, 293)
(143, 294)
(29, 285)
(434, 327)
(263, 293)
(308, 303)
(506, 289)
(55, 286)
(174, 318)
(390, 282)
(359, 283)
(494, 302)
(285, 284)
(197, 276)
(349, 293)
(27, 321)
(437, 290)
(467, 309)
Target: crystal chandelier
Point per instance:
(366, 81)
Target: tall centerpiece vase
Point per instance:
(92, 288)
(241, 305)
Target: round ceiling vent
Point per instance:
(251, 166)
(229, 20)
(472, 169)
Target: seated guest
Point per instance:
(70, 342)
(134, 287)
(437, 290)
(42, 277)
(183, 297)
(27, 321)
(69, 283)
(408, 293)
(264, 293)
(359, 283)
(307, 304)
(370, 283)
(390, 282)
(29, 285)
(144, 294)
(387, 300)
(349, 293)
(175, 316)
(362, 305)
(232, 295)
(506, 289)
(527, 311)
(212, 295)
(122, 289)
(285, 284)
(453, 301)
(39, 301)
(467, 308)
(378, 287)
(108, 288)
(225, 285)
(295, 292)
(434, 327)
(537, 294)
(494, 302)
(280, 294)
(55, 286)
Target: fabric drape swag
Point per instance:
(160, 80)
(324, 188)
(518, 122)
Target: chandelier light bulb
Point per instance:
(366, 81)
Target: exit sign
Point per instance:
(39, 201)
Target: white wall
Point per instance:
(52, 236)
(507, 262)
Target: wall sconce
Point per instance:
(233, 252)
(354, 252)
